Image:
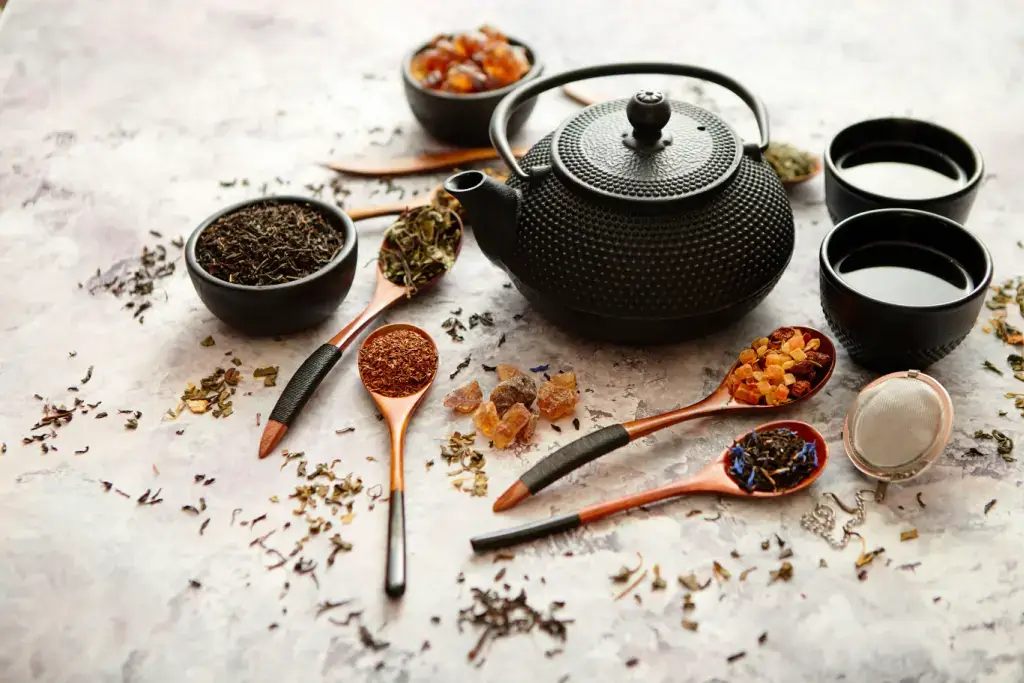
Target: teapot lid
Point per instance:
(647, 149)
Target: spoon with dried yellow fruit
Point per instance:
(791, 364)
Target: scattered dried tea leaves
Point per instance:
(268, 373)
(746, 572)
(783, 573)
(135, 277)
(789, 162)
(368, 641)
(989, 365)
(501, 617)
(209, 341)
(908, 535)
(720, 572)
(460, 367)
(735, 657)
(868, 556)
(658, 583)
(459, 452)
(625, 573)
(919, 500)
(690, 582)
(989, 505)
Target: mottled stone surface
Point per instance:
(117, 118)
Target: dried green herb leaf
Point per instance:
(989, 505)
(720, 572)
(419, 247)
(783, 573)
(207, 342)
(908, 535)
(624, 573)
(989, 365)
(789, 162)
(690, 582)
(746, 572)
(658, 583)
(868, 557)
(689, 625)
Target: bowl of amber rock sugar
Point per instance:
(454, 82)
(273, 265)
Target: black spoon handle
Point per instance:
(304, 382)
(574, 455)
(525, 532)
(394, 581)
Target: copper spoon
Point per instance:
(713, 478)
(605, 440)
(313, 370)
(423, 163)
(398, 411)
(586, 100)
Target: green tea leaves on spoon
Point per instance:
(789, 162)
(419, 247)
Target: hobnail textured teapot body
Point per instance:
(637, 221)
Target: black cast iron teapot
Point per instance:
(637, 221)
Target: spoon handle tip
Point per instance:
(525, 532)
(394, 582)
(303, 383)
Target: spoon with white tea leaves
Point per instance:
(793, 166)
(775, 459)
(398, 277)
(803, 360)
(397, 364)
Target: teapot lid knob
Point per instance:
(648, 112)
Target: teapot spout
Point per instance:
(492, 208)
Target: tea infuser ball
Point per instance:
(898, 425)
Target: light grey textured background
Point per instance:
(117, 118)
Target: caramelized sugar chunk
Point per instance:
(486, 418)
(469, 43)
(514, 421)
(493, 33)
(465, 399)
(503, 63)
(527, 433)
(555, 401)
(464, 78)
(505, 371)
(518, 388)
(431, 60)
(565, 379)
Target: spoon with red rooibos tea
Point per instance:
(775, 459)
(418, 249)
(790, 365)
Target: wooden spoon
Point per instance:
(713, 478)
(605, 440)
(393, 208)
(586, 99)
(425, 163)
(313, 370)
(398, 411)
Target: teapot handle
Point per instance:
(502, 113)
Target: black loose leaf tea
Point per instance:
(268, 244)
(771, 460)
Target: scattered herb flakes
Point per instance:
(460, 367)
(783, 573)
(500, 617)
(867, 557)
(202, 527)
(132, 423)
(209, 341)
(735, 657)
(690, 625)
(88, 376)
(556, 428)
(268, 373)
(80, 451)
(107, 485)
(765, 544)
(485, 319)
(193, 584)
(452, 327)
(919, 501)
(688, 604)
(908, 535)
(190, 509)
(822, 564)
(763, 638)
(786, 553)
(630, 587)
(989, 365)
(459, 453)
(690, 582)
(576, 423)
(552, 653)
(3, 448)
(658, 583)
(746, 572)
(720, 572)
(632, 662)
(989, 505)
(489, 368)
(909, 566)
(345, 430)
(625, 573)
(337, 546)
(862, 575)
(500, 575)
(734, 554)
(435, 620)
(504, 556)
(501, 340)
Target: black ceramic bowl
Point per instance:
(464, 120)
(285, 308)
(886, 337)
(948, 169)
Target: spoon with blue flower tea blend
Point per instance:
(775, 459)
(791, 364)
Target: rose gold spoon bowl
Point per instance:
(397, 410)
(713, 478)
(313, 370)
(605, 440)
